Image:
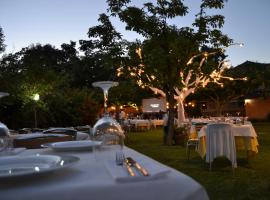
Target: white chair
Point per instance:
(220, 142)
(192, 141)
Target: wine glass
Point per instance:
(107, 130)
(4, 132)
(238, 120)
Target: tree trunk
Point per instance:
(219, 108)
(169, 138)
(180, 112)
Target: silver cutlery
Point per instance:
(121, 160)
(132, 162)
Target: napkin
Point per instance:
(120, 173)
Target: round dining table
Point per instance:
(245, 139)
(92, 178)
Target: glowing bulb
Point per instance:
(36, 97)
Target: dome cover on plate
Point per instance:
(3, 130)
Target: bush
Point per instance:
(180, 135)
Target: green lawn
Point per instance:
(250, 181)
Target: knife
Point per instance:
(138, 166)
(129, 169)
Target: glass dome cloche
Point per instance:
(106, 129)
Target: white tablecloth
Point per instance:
(238, 130)
(140, 123)
(157, 122)
(245, 139)
(220, 142)
(89, 179)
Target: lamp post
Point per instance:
(35, 98)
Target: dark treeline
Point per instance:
(63, 80)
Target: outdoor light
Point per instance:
(247, 101)
(189, 85)
(36, 97)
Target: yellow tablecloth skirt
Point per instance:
(248, 144)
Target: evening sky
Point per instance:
(26, 22)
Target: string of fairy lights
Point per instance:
(189, 85)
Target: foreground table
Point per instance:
(91, 179)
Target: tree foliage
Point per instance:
(256, 85)
(2, 37)
(63, 79)
(170, 55)
(49, 72)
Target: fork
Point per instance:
(121, 160)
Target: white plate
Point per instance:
(73, 145)
(16, 166)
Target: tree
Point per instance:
(103, 50)
(48, 71)
(221, 96)
(172, 60)
(103, 53)
(258, 82)
(2, 45)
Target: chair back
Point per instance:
(198, 126)
(220, 142)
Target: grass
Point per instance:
(251, 179)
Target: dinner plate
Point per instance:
(73, 145)
(16, 166)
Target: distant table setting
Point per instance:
(157, 122)
(79, 135)
(244, 134)
(75, 172)
(140, 124)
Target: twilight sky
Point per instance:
(25, 22)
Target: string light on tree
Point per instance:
(190, 79)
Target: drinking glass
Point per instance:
(107, 130)
(5, 140)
